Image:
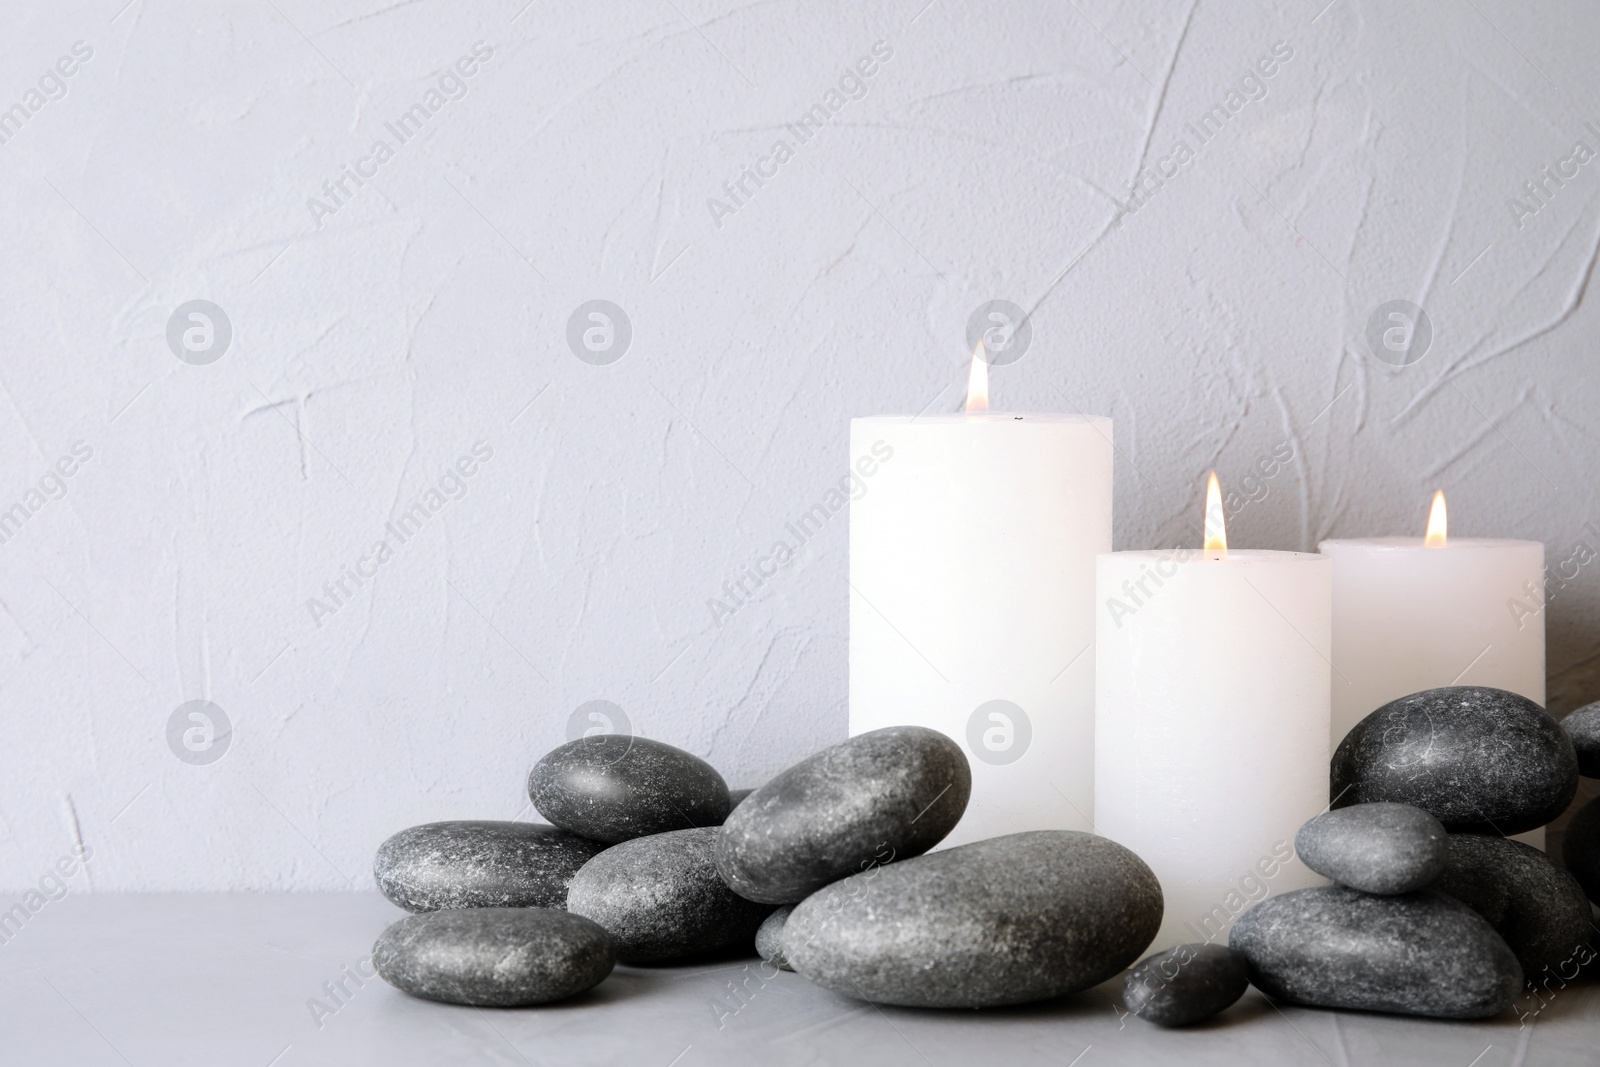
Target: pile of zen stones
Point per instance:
(826, 871)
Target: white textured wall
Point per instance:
(376, 342)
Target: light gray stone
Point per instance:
(878, 797)
(1420, 953)
(1006, 920)
(661, 899)
(1377, 848)
(480, 864)
(613, 787)
(494, 957)
(1185, 985)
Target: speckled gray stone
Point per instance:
(480, 864)
(1581, 849)
(769, 938)
(661, 899)
(1479, 760)
(494, 957)
(1185, 985)
(1419, 953)
(613, 787)
(1377, 848)
(1006, 920)
(1536, 906)
(878, 797)
(1583, 728)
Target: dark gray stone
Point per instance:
(878, 797)
(1420, 953)
(737, 797)
(480, 865)
(1006, 920)
(1186, 984)
(661, 899)
(1583, 728)
(1479, 760)
(1536, 906)
(612, 787)
(769, 938)
(1581, 849)
(1376, 848)
(494, 957)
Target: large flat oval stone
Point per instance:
(1479, 760)
(1420, 953)
(494, 957)
(1003, 921)
(1536, 906)
(878, 797)
(480, 864)
(661, 899)
(613, 787)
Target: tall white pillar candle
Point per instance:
(1211, 724)
(972, 556)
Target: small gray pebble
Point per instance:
(1007, 920)
(612, 787)
(1479, 760)
(1583, 727)
(880, 796)
(1186, 984)
(1536, 906)
(661, 899)
(480, 864)
(494, 957)
(1581, 849)
(1377, 848)
(1420, 953)
(769, 938)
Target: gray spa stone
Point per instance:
(1186, 984)
(1536, 906)
(612, 787)
(1583, 727)
(769, 938)
(1006, 920)
(878, 797)
(1420, 953)
(1479, 760)
(737, 797)
(1581, 849)
(480, 864)
(494, 957)
(661, 899)
(1377, 848)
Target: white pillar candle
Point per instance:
(1211, 721)
(1414, 613)
(972, 556)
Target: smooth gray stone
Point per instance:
(1186, 984)
(1479, 760)
(480, 864)
(661, 899)
(1583, 728)
(737, 797)
(1006, 920)
(878, 797)
(612, 787)
(1421, 953)
(494, 957)
(1581, 849)
(1536, 906)
(769, 938)
(1377, 848)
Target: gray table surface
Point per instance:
(229, 979)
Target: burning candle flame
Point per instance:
(978, 381)
(1436, 522)
(1216, 530)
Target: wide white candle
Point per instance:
(972, 554)
(1211, 724)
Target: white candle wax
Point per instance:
(972, 601)
(1212, 723)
